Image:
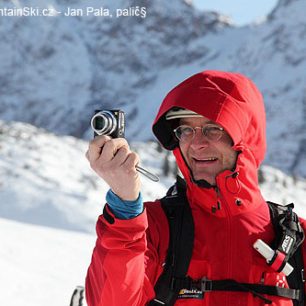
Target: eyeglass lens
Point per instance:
(187, 133)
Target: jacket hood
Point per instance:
(230, 99)
(234, 102)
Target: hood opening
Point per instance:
(202, 183)
(229, 99)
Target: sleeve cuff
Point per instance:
(124, 209)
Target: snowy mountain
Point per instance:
(68, 66)
(55, 71)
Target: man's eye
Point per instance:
(213, 129)
(187, 130)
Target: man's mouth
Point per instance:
(205, 160)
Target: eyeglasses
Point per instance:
(186, 133)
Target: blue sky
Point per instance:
(240, 11)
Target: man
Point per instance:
(215, 124)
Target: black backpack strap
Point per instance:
(181, 229)
(288, 230)
(289, 236)
(296, 278)
(205, 285)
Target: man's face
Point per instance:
(207, 158)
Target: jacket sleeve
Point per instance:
(126, 260)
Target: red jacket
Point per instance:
(129, 254)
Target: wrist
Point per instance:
(126, 197)
(124, 209)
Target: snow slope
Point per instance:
(47, 180)
(39, 265)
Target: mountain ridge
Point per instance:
(56, 71)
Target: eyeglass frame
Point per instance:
(203, 129)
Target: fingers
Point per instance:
(131, 162)
(115, 163)
(104, 148)
(95, 147)
(106, 153)
(126, 159)
(111, 148)
(121, 156)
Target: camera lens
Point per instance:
(104, 123)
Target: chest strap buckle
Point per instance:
(206, 284)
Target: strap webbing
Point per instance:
(206, 285)
(181, 228)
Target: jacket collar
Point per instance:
(235, 192)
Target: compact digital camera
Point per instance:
(109, 122)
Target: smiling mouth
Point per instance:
(205, 160)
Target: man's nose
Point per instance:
(199, 140)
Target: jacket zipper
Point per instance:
(221, 199)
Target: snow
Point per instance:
(36, 163)
(41, 265)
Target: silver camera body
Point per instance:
(109, 122)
